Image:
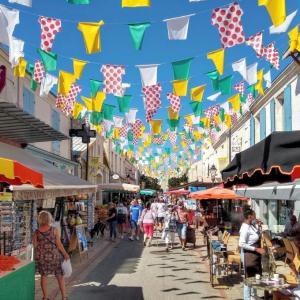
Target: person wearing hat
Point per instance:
(170, 227)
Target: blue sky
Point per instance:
(118, 49)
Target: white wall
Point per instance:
(295, 91)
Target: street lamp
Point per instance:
(213, 173)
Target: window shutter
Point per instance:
(272, 109)
(28, 101)
(287, 106)
(262, 124)
(252, 131)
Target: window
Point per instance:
(56, 125)
(28, 101)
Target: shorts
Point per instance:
(160, 219)
(181, 230)
(121, 219)
(148, 229)
(134, 224)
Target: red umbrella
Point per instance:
(216, 193)
(177, 192)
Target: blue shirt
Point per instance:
(135, 212)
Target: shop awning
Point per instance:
(276, 158)
(14, 173)
(56, 183)
(148, 192)
(22, 127)
(216, 193)
(272, 191)
(177, 192)
(119, 187)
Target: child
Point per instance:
(170, 227)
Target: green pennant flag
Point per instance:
(95, 86)
(79, 1)
(131, 147)
(222, 114)
(196, 108)
(33, 83)
(49, 60)
(218, 129)
(173, 124)
(130, 136)
(137, 32)
(168, 150)
(96, 118)
(124, 103)
(181, 68)
(214, 77)
(224, 85)
(108, 134)
(108, 111)
(201, 124)
(243, 99)
(251, 90)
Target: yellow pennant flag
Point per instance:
(77, 110)
(88, 103)
(189, 120)
(164, 155)
(65, 80)
(294, 39)
(143, 128)
(228, 120)
(197, 93)
(197, 135)
(135, 3)
(259, 85)
(183, 144)
(276, 10)
(116, 133)
(141, 149)
(78, 66)
(156, 126)
(217, 119)
(217, 57)
(205, 122)
(235, 101)
(147, 142)
(20, 69)
(91, 35)
(98, 128)
(180, 87)
(98, 101)
(175, 148)
(173, 115)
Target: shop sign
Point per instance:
(5, 196)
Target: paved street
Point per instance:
(131, 271)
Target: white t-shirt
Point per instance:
(249, 235)
(161, 209)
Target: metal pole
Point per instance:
(87, 162)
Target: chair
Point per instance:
(289, 250)
(234, 259)
(266, 242)
(225, 238)
(295, 248)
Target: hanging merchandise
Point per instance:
(256, 42)
(49, 60)
(214, 76)
(240, 66)
(9, 18)
(240, 87)
(22, 2)
(39, 71)
(235, 101)
(131, 115)
(152, 96)
(178, 27)
(135, 3)
(16, 50)
(78, 66)
(224, 85)
(214, 97)
(148, 74)
(271, 55)
(180, 87)
(276, 10)
(113, 79)
(124, 103)
(252, 74)
(217, 57)
(228, 21)
(91, 35)
(47, 84)
(174, 101)
(137, 32)
(198, 92)
(20, 69)
(181, 69)
(49, 27)
(65, 80)
(284, 26)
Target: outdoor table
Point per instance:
(265, 284)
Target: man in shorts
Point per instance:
(160, 214)
(121, 218)
(135, 212)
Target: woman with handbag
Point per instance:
(147, 223)
(49, 253)
(250, 244)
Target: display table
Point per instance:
(18, 284)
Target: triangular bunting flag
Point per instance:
(137, 32)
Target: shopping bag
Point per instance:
(67, 268)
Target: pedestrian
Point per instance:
(198, 217)
(135, 212)
(122, 213)
(182, 223)
(251, 251)
(170, 227)
(147, 223)
(112, 221)
(49, 253)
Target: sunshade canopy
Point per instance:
(216, 193)
(276, 158)
(148, 192)
(119, 187)
(14, 173)
(178, 192)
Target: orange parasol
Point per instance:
(216, 193)
(177, 192)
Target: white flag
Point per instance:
(195, 119)
(9, 18)
(178, 27)
(47, 83)
(148, 74)
(16, 48)
(241, 67)
(267, 78)
(107, 125)
(22, 2)
(284, 26)
(252, 74)
(214, 97)
(226, 107)
(118, 121)
(131, 115)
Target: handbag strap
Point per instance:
(43, 235)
